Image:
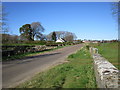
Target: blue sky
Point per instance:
(88, 20)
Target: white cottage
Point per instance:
(60, 40)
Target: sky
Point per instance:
(88, 20)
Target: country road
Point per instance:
(15, 72)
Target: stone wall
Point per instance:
(15, 50)
(107, 75)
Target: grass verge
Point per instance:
(76, 73)
(110, 52)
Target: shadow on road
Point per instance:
(44, 55)
(29, 58)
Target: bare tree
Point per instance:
(37, 30)
(3, 25)
(116, 11)
(3, 20)
(49, 37)
(0, 17)
(116, 15)
(67, 36)
(7, 38)
(32, 31)
(43, 37)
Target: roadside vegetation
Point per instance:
(30, 40)
(76, 73)
(109, 51)
(28, 54)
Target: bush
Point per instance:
(36, 42)
(87, 46)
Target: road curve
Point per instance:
(16, 72)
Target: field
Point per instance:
(110, 52)
(77, 72)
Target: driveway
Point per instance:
(18, 71)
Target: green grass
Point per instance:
(20, 56)
(76, 73)
(110, 52)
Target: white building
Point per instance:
(60, 40)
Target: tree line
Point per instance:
(34, 31)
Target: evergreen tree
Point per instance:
(54, 36)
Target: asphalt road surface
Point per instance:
(18, 71)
